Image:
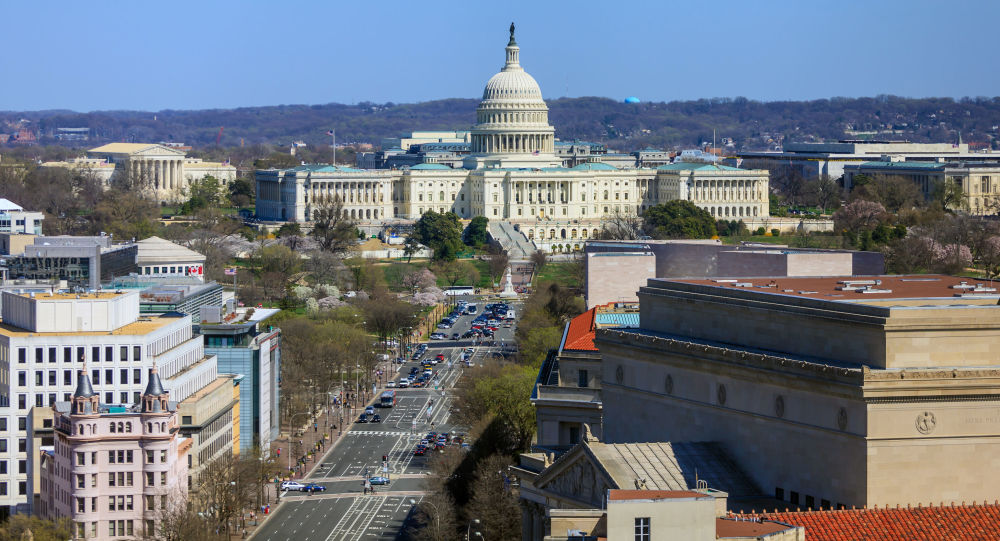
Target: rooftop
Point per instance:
(64, 295)
(729, 527)
(624, 495)
(954, 522)
(695, 166)
(581, 329)
(864, 289)
(156, 250)
(131, 148)
(143, 325)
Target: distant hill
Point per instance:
(626, 126)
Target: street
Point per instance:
(343, 511)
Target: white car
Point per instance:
(391, 384)
(292, 485)
(404, 383)
(370, 410)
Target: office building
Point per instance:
(979, 181)
(114, 470)
(160, 258)
(246, 346)
(83, 262)
(17, 221)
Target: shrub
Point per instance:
(775, 232)
(759, 231)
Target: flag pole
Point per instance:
(334, 135)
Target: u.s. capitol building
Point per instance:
(512, 174)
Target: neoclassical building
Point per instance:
(166, 169)
(513, 174)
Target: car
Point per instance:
(376, 418)
(313, 487)
(488, 333)
(439, 444)
(437, 336)
(419, 451)
(292, 485)
(470, 350)
(417, 384)
(454, 336)
(439, 357)
(363, 418)
(404, 384)
(378, 480)
(370, 410)
(413, 369)
(391, 384)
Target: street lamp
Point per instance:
(291, 426)
(468, 531)
(437, 514)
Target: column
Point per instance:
(525, 522)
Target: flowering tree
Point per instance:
(859, 215)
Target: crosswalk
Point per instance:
(378, 433)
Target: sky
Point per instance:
(111, 55)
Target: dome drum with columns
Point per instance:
(512, 121)
(513, 174)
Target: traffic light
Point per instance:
(385, 458)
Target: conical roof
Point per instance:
(83, 387)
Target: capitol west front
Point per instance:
(512, 174)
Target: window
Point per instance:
(22, 423)
(39, 355)
(149, 458)
(39, 377)
(3, 467)
(810, 502)
(3, 449)
(582, 379)
(95, 376)
(81, 481)
(137, 354)
(123, 351)
(22, 401)
(779, 493)
(52, 355)
(22, 466)
(111, 457)
(163, 456)
(22, 487)
(79, 353)
(95, 354)
(109, 397)
(123, 377)
(67, 377)
(186, 420)
(109, 377)
(642, 529)
(81, 505)
(52, 378)
(793, 497)
(109, 353)
(22, 355)
(22, 378)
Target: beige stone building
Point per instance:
(166, 170)
(513, 174)
(829, 392)
(979, 181)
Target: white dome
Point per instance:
(514, 84)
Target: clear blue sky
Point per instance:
(219, 54)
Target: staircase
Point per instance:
(517, 246)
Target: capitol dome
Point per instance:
(512, 118)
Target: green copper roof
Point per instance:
(596, 166)
(686, 166)
(901, 165)
(430, 167)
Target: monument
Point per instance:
(508, 286)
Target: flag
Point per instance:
(535, 153)
(230, 271)
(330, 133)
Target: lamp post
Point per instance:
(357, 382)
(291, 423)
(437, 513)
(468, 530)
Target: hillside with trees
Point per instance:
(747, 124)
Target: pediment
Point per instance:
(159, 150)
(576, 476)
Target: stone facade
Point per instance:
(899, 376)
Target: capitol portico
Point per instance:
(512, 174)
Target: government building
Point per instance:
(512, 173)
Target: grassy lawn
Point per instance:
(792, 240)
(561, 272)
(394, 271)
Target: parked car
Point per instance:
(378, 480)
(292, 485)
(454, 336)
(438, 336)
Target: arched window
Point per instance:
(112, 428)
(128, 427)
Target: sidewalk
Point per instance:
(317, 437)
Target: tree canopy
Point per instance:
(475, 233)
(679, 219)
(441, 233)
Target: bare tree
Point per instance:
(331, 226)
(497, 262)
(539, 258)
(621, 225)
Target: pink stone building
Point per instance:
(114, 470)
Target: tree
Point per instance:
(949, 196)
(827, 192)
(242, 192)
(331, 227)
(679, 219)
(411, 247)
(497, 262)
(441, 233)
(290, 233)
(455, 272)
(476, 232)
(493, 501)
(539, 258)
(621, 225)
(126, 215)
(206, 192)
(419, 279)
(22, 527)
(859, 215)
(895, 193)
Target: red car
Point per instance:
(439, 357)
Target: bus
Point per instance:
(388, 399)
(458, 291)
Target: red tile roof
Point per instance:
(580, 336)
(620, 494)
(941, 523)
(728, 527)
